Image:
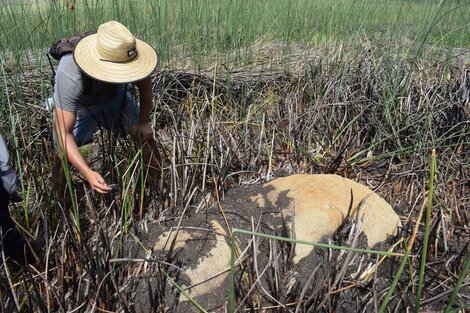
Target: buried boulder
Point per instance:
(319, 204)
(306, 207)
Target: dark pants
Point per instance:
(11, 241)
(5, 220)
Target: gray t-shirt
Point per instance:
(73, 90)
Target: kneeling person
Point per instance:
(91, 89)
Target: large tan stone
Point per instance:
(318, 205)
(312, 206)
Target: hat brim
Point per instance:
(87, 58)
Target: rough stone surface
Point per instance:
(320, 203)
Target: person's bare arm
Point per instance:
(64, 124)
(146, 97)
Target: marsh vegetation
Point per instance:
(246, 90)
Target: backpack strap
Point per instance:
(52, 78)
(62, 47)
(66, 45)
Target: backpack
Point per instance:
(9, 180)
(64, 46)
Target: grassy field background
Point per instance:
(208, 30)
(245, 89)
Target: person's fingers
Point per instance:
(100, 190)
(142, 131)
(98, 184)
(104, 187)
(146, 137)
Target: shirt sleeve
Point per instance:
(68, 84)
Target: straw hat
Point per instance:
(114, 55)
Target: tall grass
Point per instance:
(361, 88)
(228, 29)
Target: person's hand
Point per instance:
(146, 131)
(97, 182)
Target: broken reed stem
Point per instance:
(270, 161)
(229, 229)
(409, 246)
(141, 180)
(426, 231)
(235, 231)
